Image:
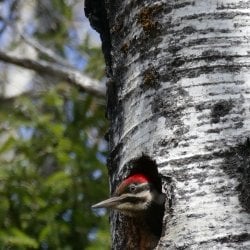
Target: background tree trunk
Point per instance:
(179, 92)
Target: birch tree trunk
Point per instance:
(179, 91)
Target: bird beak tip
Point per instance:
(109, 203)
(95, 206)
(102, 204)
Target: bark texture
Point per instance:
(180, 93)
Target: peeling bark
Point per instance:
(180, 93)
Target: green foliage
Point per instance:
(95, 59)
(52, 151)
(55, 175)
(56, 23)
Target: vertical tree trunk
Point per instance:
(179, 91)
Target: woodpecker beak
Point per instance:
(109, 203)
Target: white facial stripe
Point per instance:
(135, 202)
(142, 187)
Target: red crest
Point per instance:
(139, 178)
(136, 178)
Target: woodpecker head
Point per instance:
(133, 196)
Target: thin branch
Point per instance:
(72, 76)
(11, 17)
(45, 51)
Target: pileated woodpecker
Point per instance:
(137, 196)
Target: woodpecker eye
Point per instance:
(132, 188)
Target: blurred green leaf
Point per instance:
(51, 169)
(16, 238)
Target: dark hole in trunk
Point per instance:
(153, 218)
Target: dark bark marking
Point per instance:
(178, 61)
(236, 5)
(170, 143)
(217, 15)
(211, 40)
(142, 45)
(193, 159)
(125, 48)
(237, 165)
(209, 104)
(234, 238)
(188, 30)
(214, 130)
(146, 18)
(177, 69)
(164, 104)
(183, 4)
(174, 45)
(220, 109)
(213, 55)
(243, 237)
(117, 26)
(206, 69)
(150, 78)
(95, 11)
(149, 19)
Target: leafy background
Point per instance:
(52, 151)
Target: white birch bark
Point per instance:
(180, 92)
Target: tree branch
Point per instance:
(72, 76)
(45, 51)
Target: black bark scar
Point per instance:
(95, 11)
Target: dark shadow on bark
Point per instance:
(237, 165)
(220, 109)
